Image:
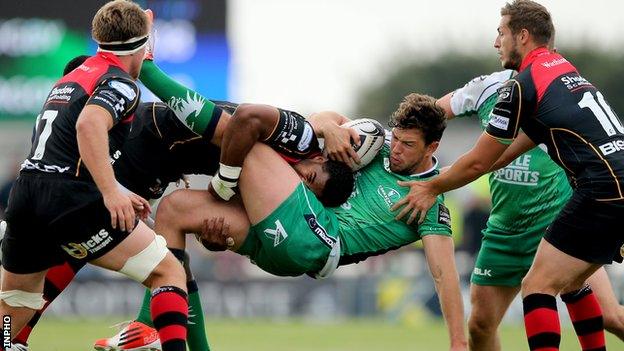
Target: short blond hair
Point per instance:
(119, 20)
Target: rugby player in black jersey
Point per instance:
(161, 148)
(555, 106)
(66, 203)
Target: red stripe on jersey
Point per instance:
(545, 68)
(90, 72)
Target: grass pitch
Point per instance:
(291, 335)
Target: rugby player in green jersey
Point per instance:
(527, 194)
(284, 229)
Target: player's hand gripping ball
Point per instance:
(371, 139)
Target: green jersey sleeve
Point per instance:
(437, 221)
(468, 100)
(195, 111)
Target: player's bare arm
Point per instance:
(92, 129)
(520, 145)
(439, 252)
(250, 123)
(445, 103)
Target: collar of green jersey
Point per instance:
(428, 173)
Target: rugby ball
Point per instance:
(372, 137)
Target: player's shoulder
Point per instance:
(120, 82)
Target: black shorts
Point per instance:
(52, 219)
(589, 230)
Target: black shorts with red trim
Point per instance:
(589, 230)
(52, 218)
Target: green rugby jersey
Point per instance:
(529, 192)
(367, 226)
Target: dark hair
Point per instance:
(339, 185)
(74, 63)
(529, 15)
(420, 112)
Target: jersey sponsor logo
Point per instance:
(444, 215)
(389, 195)
(386, 164)
(157, 189)
(95, 244)
(115, 157)
(318, 230)
(286, 137)
(61, 93)
(555, 62)
(84, 68)
(306, 138)
(504, 93)
(27, 164)
(611, 147)
(482, 272)
(120, 105)
(518, 172)
(572, 82)
(106, 101)
(278, 234)
(499, 122)
(123, 88)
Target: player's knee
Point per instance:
(480, 325)
(168, 272)
(141, 266)
(169, 206)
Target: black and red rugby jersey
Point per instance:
(556, 106)
(100, 81)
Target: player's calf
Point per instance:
(169, 305)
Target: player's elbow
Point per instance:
(249, 116)
(478, 167)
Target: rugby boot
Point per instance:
(135, 336)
